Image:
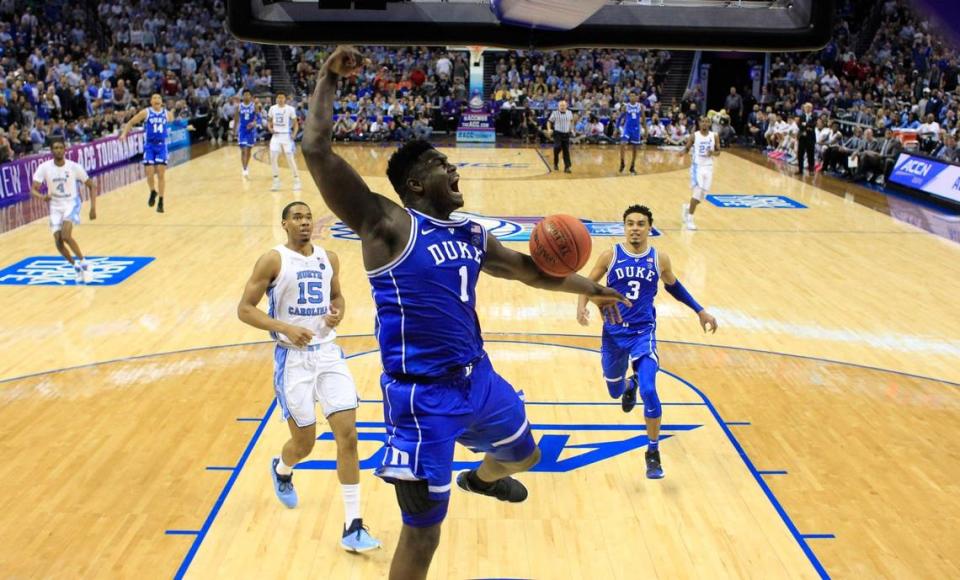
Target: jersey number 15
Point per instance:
(311, 292)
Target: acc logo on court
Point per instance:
(510, 229)
(56, 271)
(755, 201)
(553, 444)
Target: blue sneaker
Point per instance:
(283, 485)
(357, 539)
(654, 469)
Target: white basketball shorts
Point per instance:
(282, 142)
(317, 374)
(701, 178)
(60, 211)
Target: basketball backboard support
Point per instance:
(774, 25)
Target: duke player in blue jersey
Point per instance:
(155, 119)
(245, 121)
(630, 124)
(635, 268)
(438, 385)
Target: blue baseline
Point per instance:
(188, 559)
(758, 478)
(248, 419)
(572, 403)
(568, 427)
(737, 423)
(819, 536)
(181, 532)
(772, 472)
(220, 468)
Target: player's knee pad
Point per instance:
(616, 387)
(417, 509)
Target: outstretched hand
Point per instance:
(607, 300)
(707, 321)
(345, 61)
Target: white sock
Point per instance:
(283, 468)
(293, 166)
(351, 502)
(274, 156)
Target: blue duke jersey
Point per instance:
(632, 118)
(636, 276)
(156, 125)
(248, 114)
(426, 298)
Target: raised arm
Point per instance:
(599, 269)
(503, 262)
(136, 119)
(342, 188)
(265, 271)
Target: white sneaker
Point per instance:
(690, 224)
(276, 184)
(79, 272)
(684, 215)
(297, 185)
(86, 272)
(246, 174)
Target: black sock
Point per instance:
(476, 483)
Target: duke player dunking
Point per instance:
(439, 387)
(246, 121)
(635, 268)
(154, 119)
(631, 131)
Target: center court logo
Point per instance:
(571, 442)
(510, 229)
(56, 271)
(755, 201)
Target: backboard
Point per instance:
(681, 24)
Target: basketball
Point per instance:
(560, 245)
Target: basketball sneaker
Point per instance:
(622, 165)
(684, 213)
(632, 170)
(629, 398)
(506, 489)
(153, 198)
(86, 272)
(246, 174)
(357, 539)
(691, 225)
(297, 186)
(160, 205)
(654, 469)
(276, 184)
(79, 272)
(283, 485)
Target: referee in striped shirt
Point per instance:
(560, 123)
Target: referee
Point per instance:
(560, 123)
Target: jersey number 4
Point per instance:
(311, 292)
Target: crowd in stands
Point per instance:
(902, 90)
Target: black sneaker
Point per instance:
(629, 398)
(654, 469)
(632, 170)
(506, 489)
(160, 205)
(153, 198)
(556, 168)
(622, 165)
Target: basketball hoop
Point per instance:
(476, 54)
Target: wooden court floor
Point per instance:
(813, 435)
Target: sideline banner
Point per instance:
(95, 156)
(928, 175)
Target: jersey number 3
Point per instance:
(311, 292)
(634, 290)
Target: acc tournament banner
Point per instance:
(476, 126)
(510, 229)
(929, 175)
(16, 176)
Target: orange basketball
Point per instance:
(560, 245)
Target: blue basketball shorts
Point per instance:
(630, 135)
(619, 349)
(477, 409)
(246, 138)
(154, 153)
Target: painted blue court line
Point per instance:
(737, 423)
(819, 536)
(772, 472)
(223, 494)
(182, 532)
(220, 468)
(566, 427)
(758, 478)
(249, 419)
(573, 403)
(543, 334)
